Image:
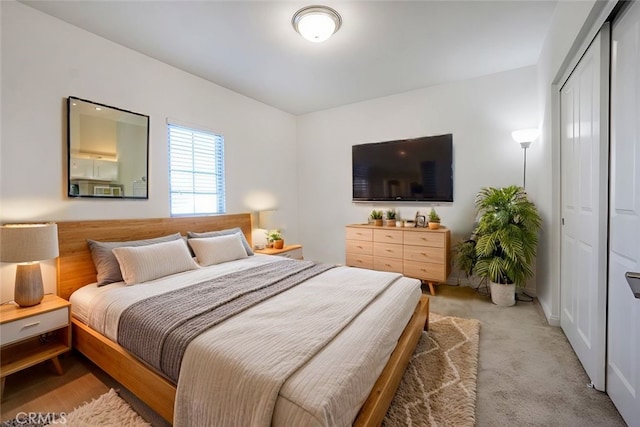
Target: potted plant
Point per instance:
(376, 216)
(391, 217)
(434, 220)
(275, 238)
(464, 256)
(507, 238)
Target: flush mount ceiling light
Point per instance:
(316, 23)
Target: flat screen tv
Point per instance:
(408, 170)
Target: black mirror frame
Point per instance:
(70, 192)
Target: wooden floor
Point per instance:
(40, 389)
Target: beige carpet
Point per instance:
(439, 386)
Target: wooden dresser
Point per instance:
(415, 252)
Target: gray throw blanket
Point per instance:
(158, 329)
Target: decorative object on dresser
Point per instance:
(376, 217)
(507, 239)
(434, 219)
(34, 334)
(420, 253)
(288, 251)
(27, 244)
(391, 217)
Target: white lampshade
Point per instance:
(316, 23)
(525, 135)
(28, 242)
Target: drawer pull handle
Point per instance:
(32, 324)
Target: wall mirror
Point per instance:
(108, 151)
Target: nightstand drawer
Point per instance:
(293, 254)
(33, 325)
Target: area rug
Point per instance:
(439, 386)
(107, 410)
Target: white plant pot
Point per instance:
(504, 295)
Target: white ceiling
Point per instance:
(382, 48)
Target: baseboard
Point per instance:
(551, 319)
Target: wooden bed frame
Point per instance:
(76, 269)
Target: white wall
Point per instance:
(480, 113)
(45, 60)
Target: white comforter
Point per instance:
(241, 372)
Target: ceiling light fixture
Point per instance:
(316, 23)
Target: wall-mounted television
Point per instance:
(408, 170)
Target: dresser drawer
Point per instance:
(424, 254)
(359, 234)
(387, 264)
(33, 325)
(387, 250)
(359, 247)
(424, 238)
(293, 254)
(425, 271)
(388, 236)
(359, 260)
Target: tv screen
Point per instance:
(415, 170)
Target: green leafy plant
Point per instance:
(433, 216)
(464, 256)
(391, 214)
(273, 235)
(507, 235)
(376, 214)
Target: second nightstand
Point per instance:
(288, 251)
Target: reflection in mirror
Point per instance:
(108, 151)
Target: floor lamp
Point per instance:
(525, 137)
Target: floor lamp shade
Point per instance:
(26, 245)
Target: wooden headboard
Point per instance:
(75, 266)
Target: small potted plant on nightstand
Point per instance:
(434, 220)
(376, 216)
(391, 217)
(275, 237)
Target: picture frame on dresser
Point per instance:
(421, 221)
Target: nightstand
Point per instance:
(288, 251)
(30, 335)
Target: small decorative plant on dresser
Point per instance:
(434, 220)
(376, 216)
(391, 217)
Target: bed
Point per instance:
(76, 270)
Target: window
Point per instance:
(196, 171)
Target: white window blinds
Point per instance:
(196, 171)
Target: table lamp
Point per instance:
(27, 244)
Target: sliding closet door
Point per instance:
(584, 170)
(623, 357)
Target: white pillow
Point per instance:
(144, 263)
(215, 250)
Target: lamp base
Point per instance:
(29, 289)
